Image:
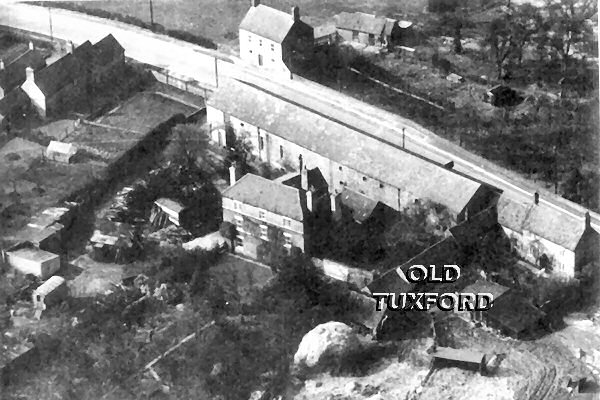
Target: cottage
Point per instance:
(61, 152)
(49, 293)
(271, 217)
(281, 130)
(54, 87)
(29, 260)
(165, 212)
(531, 227)
(275, 40)
(368, 29)
(12, 71)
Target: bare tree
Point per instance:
(500, 39)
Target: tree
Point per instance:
(526, 23)
(240, 153)
(568, 26)
(191, 144)
(500, 39)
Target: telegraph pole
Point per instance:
(151, 14)
(50, 21)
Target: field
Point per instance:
(219, 20)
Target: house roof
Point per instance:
(14, 75)
(361, 22)
(61, 147)
(542, 220)
(298, 123)
(362, 207)
(493, 288)
(315, 180)
(268, 195)
(324, 30)
(107, 50)
(404, 24)
(33, 254)
(51, 284)
(267, 22)
(170, 205)
(449, 353)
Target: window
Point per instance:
(261, 143)
(281, 152)
(264, 232)
(355, 35)
(241, 124)
(342, 183)
(340, 167)
(239, 223)
(272, 47)
(260, 42)
(261, 214)
(287, 240)
(287, 222)
(272, 60)
(381, 186)
(250, 51)
(249, 38)
(364, 178)
(239, 241)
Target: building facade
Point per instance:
(273, 39)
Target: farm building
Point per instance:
(368, 29)
(61, 152)
(467, 359)
(165, 212)
(29, 260)
(273, 39)
(114, 242)
(49, 293)
(326, 35)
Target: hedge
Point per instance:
(157, 28)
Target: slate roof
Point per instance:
(34, 254)
(13, 74)
(361, 22)
(168, 204)
(267, 22)
(315, 180)
(107, 50)
(268, 195)
(300, 124)
(541, 220)
(362, 207)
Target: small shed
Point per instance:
(165, 212)
(455, 78)
(51, 292)
(503, 96)
(465, 359)
(60, 151)
(31, 260)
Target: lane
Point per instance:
(198, 63)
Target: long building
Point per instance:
(281, 131)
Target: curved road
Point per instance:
(198, 63)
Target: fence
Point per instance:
(188, 85)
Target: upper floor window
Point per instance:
(264, 230)
(260, 42)
(364, 178)
(272, 47)
(281, 152)
(381, 186)
(287, 222)
(249, 38)
(261, 143)
(287, 240)
(340, 167)
(261, 214)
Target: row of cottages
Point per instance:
(371, 30)
(547, 238)
(273, 216)
(53, 88)
(280, 131)
(275, 40)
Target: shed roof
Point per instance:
(361, 22)
(268, 195)
(449, 353)
(542, 220)
(61, 147)
(267, 22)
(299, 123)
(404, 24)
(50, 285)
(33, 254)
(64, 70)
(362, 206)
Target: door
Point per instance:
(260, 60)
(371, 39)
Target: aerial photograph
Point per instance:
(299, 200)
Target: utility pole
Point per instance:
(403, 137)
(50, 21)
(151, 14)
(216, 73)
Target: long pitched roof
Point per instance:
(267, 22)
(361, 22)
(541, 220)
(268, 195)
(312, 130)
(13, 73)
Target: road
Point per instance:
(199, 64)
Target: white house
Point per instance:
(53, 291)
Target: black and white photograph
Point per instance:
(299, 200)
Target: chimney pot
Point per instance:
(588, 219)
(309, 200)
(335, 211)
(304, 178)
(29, 75)
(1, 64)
(536, 198)
(232, 175)
(30, 45)
(255, 3)
(296, 13)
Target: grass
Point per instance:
(219, 20)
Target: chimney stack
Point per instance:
(296, 13)
(30, 45)
(70, 46)
(588, 220)
(304, 178)
(29, 74)
(232, 175)
(309, 200)
(335, 209)
(255, 3)
(536, 198)
(300, 162)
(1, 64)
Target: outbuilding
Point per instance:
(31, 260)
(466, 359)
(61, 152)
(51, 292)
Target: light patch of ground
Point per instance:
(96, 278)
